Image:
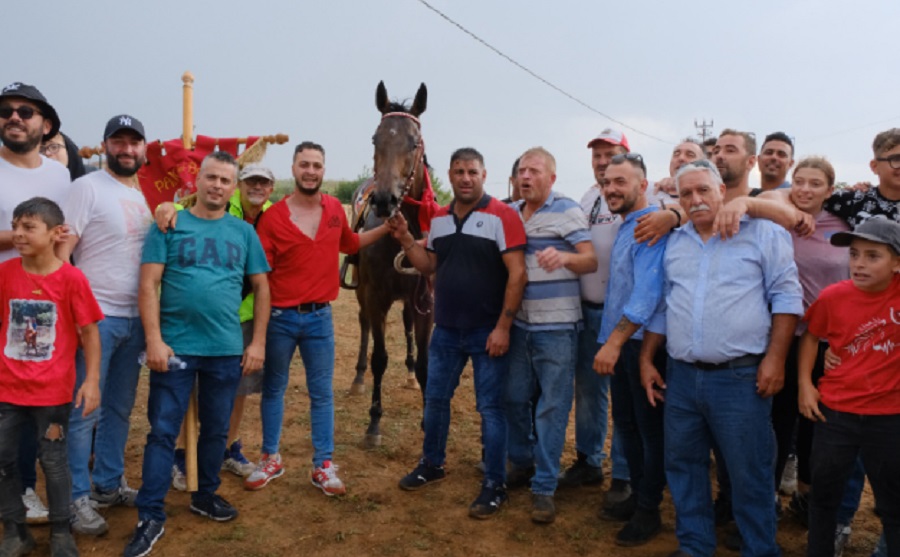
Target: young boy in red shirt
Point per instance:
(857, 403)
(44, 301)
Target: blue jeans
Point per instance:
(447, 355)
(313, 333)
(217, 380)
(640, 425)
(121, 342)
(838, 443)
(52, 449)
(720, 406)
(540, 361)
(592, 400)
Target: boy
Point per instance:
(47, 301)
(859, 412)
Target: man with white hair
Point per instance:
(722, 370)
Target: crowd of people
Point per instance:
(713, 321)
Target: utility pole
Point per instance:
(704, 129)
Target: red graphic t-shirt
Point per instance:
(863, 329)
(39, 334)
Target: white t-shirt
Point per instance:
(50, 180)
(604, 226)
(111, 221)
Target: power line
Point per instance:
(853, 129)
(536, 76)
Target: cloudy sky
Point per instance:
(821, 70)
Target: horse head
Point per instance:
(399, 151)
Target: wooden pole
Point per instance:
(190, 420)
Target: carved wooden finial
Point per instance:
(188, 77)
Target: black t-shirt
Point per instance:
(855, 207)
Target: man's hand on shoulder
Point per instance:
(166, 216)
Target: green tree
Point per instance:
(345, 188)
(441, 195)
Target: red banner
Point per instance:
(171, 170)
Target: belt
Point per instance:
(743, 361)
(307, 308)
(592, 305)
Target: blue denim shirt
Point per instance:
(719, 293)
(635, 285)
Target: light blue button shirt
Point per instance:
(718, 293)
(635, 285)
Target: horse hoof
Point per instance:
(411, 383)
(372, 440)
(357, 388)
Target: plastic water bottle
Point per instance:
(175, 363)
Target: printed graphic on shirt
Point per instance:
(873, 335)
(32, 330)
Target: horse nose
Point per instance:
(384, 203)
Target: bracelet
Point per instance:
(677, 216)
(411, 246)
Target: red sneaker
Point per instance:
(268, 469)
(325, 478)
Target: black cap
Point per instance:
(877, 229)
(124, 122)
(31, 93)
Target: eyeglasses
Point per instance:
(50, 149)
(634, 158)
(893, 160)
(24, 112)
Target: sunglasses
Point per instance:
(633, 158)
(24, 112)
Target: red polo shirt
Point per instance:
(305, 270)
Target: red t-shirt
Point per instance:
(39, 336)
(305, 270)
(863, 329)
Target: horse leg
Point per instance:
(379, 365)
(358, 386)
(408, 322)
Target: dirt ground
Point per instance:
(291, 517)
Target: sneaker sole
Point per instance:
(236, 470)
(98, 531)
(325, 491)
(257, 487)
(152, 543)
(420, 486)
(542, 518)
(36, 520)
(642, 541)
(203, 513)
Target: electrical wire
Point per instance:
(538, 77)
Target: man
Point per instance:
(514, 194)
(248, 204)
(732, 306)
(201, 266)
(27, 119)
(302, 235)
(709, 147)
(734, 159)
(108, 220)
(591, 389)
(631, 299)
(475, 231)
(776, 157)
(544, 339)
(856, 206)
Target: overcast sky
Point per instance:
(821, 70)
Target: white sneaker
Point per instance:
(85, 519)
(789, 477)
(35, 511)
(325, 478)
(179, 482)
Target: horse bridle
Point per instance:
(418, 153)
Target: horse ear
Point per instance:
(418, 106)
(381, 98)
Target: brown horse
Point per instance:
(400, 180)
